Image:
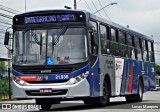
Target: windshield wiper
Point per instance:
(56, 40)
(36, 40)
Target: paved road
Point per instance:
(151, 99)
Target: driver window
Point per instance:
(93, 29)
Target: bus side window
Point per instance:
(113, 44)
(122, 44)
(151, 51)
(130, 43)
(137, 45)
(93, 26)
(113, 35)
(93, 33)
(144, 51)
(104, 35)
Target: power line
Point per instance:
(78, 1)
(5, 22)
(5, 15)
(104, 10)
(95, 7)
(7, 9)
(3, 26)
(88, 6)
(2, 30)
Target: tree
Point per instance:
(2, 67)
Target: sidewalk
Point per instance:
(18, 101)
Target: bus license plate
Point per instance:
(46, 90)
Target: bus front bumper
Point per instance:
(61, 90)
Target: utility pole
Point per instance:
(25, 6)
(75, 4)
(9, 69)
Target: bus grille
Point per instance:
(47, 82)
(49, 69)
(35, 70)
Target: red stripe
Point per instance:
(42, 78)
(28, 78)
(131, 80)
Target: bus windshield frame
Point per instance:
(54, 46)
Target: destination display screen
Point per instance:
(48, 18)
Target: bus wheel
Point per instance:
(99, 101)
(137, 97)
(104, 100)
(45, 106)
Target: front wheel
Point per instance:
(104, 100)
(100, 101)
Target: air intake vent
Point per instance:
(49, 69)
(53, 70)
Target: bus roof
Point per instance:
(93, 16)
(50, 11)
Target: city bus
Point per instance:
(61, 55)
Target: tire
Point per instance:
(137, 97)
(100, 101)
(104, 100)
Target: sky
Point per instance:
(141, 15)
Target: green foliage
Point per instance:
(2, 65)
(4, 86)
(158, 69)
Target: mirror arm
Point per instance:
(9, 49)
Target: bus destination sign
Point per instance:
(50, 18)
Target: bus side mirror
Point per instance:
(94, 38)
(6, 38)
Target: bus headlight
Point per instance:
(74, 80)
(19, 81)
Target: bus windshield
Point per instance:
(51, 47)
